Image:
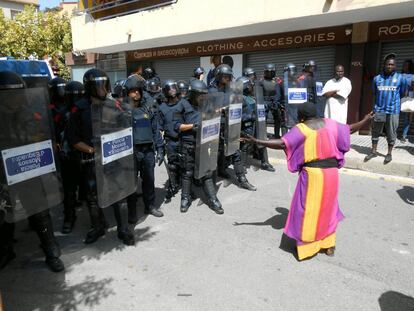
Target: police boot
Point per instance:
(154, 211)
(6, 244)
(132, 209)
(121, 217)
(222, 167)
(42, 223)
(173, 187)
(185, 195)
(244, 157)
(265, 165)
(241, 177)
(69, 206)
(213, 201)
(97, 223)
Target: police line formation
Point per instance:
(94, 144)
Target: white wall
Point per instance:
(178, 23)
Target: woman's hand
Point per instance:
(248, 139)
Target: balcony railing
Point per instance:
(105, 9)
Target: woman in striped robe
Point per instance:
(315, 148)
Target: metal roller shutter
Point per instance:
(404, 50)
(176, 69)
(324, 57)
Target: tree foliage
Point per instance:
(37, 34)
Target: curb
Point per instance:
(356, 163)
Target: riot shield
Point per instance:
(208, 134)
(114, 153)
(260, 124)
(232, 129)
(296, 93)
(319, 98)
(29, 181)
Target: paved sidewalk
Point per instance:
(401, 165)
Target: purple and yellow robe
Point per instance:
(314, 212)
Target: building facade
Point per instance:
(13, 7)
(174, 37)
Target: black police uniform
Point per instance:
(168, 116)
(41, 222)
(69, 164)
(235, 159)
(80, 130)
(187, 151)
(147, 138)
(272, 94)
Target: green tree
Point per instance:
(38, 34)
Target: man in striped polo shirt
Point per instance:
(389, 87)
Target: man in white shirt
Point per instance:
(336, 92)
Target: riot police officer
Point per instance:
(169, 113)
(183, 89)
(290, 81)
(70, 160)
(152, 97)
(188, 126)
(224, 75)
(30, 193)
(119, 91)
(147, 138)
(272, 95)
(251, 74)
(198, 74)
(308, 80)
(249, 126)
(80, 137)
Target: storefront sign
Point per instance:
(315, 37)
(392, 29)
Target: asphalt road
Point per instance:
(237, 261)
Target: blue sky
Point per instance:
(48, 4)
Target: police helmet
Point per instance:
(183, 87)
(290, 68)
(57, 89)
(153, 85)
(196, 89)
(133, 84)
(119, 89)
(222, 71)
(248, 71)
(10, 80)
(170, 88)
(148, 73)
(247, 85)
(270, 71)
(74, 91)
(96, 83)
(198, 72)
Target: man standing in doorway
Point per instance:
(336, 92)
(389, 87)
(216, 61)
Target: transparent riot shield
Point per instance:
(296, 93)
(260, 124)
(29, 181)
(208, 133)
(233, 113)
(319, 98)
(114, 153)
